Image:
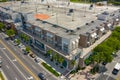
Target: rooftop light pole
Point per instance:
(36, 6)
(57, 14)
(85, 9)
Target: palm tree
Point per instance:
(26, 38)
(54, 57)
(49, 52)
(60, 60)
(73, 62)
(18, 41)
(27, 49)
(10, 33)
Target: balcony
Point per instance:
(54, 47)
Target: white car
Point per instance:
(37, 59)
(21, 46)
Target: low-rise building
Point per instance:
(60, 33)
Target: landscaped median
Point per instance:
(1, 76)
(49, 68)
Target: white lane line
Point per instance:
(16, 78)
(30, 78)
(7, 66)
(2, 48)
(14, 60)
(14, 65)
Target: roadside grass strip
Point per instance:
(1, 76)
(49, 68)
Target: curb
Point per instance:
(48, 71)
(3, 74)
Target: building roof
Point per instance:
(61, 21)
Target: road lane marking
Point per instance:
(26, 68)
(14, 64)
(7, 66)
(16, 78)
(14, 60)
(30, 78)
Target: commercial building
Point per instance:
(64, 31)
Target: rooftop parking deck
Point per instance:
(60, 15)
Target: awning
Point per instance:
(28, 25)
(18, 24)
(102, 29)
(77, 40)
(109, 25)
(117, 19)
(37, 29)
(73, 42)
(94, 35)
(50, 35)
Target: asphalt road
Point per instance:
(10, 66)
(31, 65)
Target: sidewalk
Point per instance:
(49, 62)
(83, 75)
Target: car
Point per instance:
(115, 71)
(104, 63)
(42, 76)
(32, 55)
(37, 59)
(20, 45)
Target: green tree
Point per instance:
(73, 62)
(55, 56)
(27, 49)
(2, 26)
(18, 41)
(49, 52)
(113, 43)
(10, 33)
(26, 38)
(103, 48)
(60, 60)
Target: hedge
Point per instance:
(49, 68)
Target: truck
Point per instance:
(116, 69)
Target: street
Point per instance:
(12, 65)
(9, 67)
(107, 75)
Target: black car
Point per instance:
(115, 71)
(104, 63)
(41, 76)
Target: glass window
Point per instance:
(49, 38)
(39, 44)
(65, 47)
